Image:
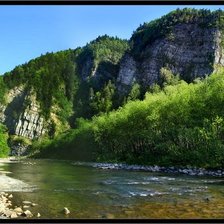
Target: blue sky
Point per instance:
(29, 31)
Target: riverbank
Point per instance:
(9, 184)
(192, 171)
(7, 210)
(10, 159)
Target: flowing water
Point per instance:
(95, 193)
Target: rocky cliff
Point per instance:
(189, 50)
(21, 114)
(99, 60)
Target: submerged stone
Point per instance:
(66, 211)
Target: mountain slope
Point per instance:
(46, 96)
(40, 96)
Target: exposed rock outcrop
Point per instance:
(128, 72)
(18, 149)
(30, 123)
(14, 105)
(87, 69)
(189, 50)
(22, 115)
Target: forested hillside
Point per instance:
(56, 78)
(149, 100)
(178, 125)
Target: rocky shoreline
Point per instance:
(7, 210)
(192, 171)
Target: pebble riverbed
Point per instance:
(192, 171)
(7, 210)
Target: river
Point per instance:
(96, 193)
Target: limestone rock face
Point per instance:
(21, 114)
(99, 72)
(10, 112)
(30, 123)
(190, 51)
(128, 71)
(87, 69)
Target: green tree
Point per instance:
(167, 77)
(4, 149)
(135, 92)
(102, 101)
(3, 89)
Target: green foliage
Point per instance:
(168, 78)
(3, 90)
(135, 92)
(98, 64)
(4, 149)
(56, 78)
(51, 76)
(176, 124)
(13, 139)
(103, 48)
(102, 101)
(155, 88)
(74, 144)
(179, 125)
(64, 107)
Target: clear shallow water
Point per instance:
(95, 193)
